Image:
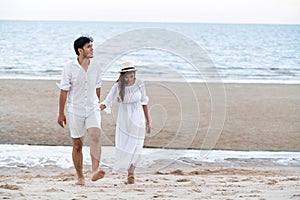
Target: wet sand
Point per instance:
(258, 116)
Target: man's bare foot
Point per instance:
(98, 175)
(80, 181)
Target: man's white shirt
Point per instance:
(81, 86)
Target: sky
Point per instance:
(199, 11)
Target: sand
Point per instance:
(177, 182)
(258, 117)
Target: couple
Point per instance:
(80, 87)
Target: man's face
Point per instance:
(88, 51)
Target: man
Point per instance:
(81, 87)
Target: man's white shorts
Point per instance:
(78, 125)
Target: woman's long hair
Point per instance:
(122, 84)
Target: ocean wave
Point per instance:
(61, 156)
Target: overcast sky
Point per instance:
(203, 11)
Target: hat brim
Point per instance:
(127, 70)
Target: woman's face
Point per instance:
(129, 78)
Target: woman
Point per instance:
(132, 121)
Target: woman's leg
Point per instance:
(130, 178)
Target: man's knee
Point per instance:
(94, 134)
(77, 145)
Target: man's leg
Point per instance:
(95, 151)
(78, 159)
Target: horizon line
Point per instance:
(160, 22)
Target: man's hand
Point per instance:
(102, 107)
(62, 120)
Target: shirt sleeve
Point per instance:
(65, 83)
(110, 98)
(144, 99)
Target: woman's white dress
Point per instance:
(130, 125)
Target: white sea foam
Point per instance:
(61, 156)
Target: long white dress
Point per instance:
(130, 126)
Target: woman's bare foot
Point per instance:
(98, 175)
(80, 181)
(130, 179)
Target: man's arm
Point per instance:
(98, 92)
(62, 121)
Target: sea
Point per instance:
(239, 53)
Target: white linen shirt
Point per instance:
(81, 85)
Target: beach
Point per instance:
(257, 117)
(176, 182)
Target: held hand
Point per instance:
(62, 121)
(102, 107)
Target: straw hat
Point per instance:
(127, 67)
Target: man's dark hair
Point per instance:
(80, 42)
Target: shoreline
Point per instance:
(38, 156)
(258, 116)
(159, 148)
(258, 82)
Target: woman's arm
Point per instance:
(146, 113)
(110, 99)
(144, 102)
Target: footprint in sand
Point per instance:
(54, 190)
(292, 179)
(183, 180)
(139, 190)
(158, 196)
(196, 190)
(10, 187)
(295, 196)
(272, 182)
(177, 172)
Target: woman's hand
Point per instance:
(148, 128)
(102, 107)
